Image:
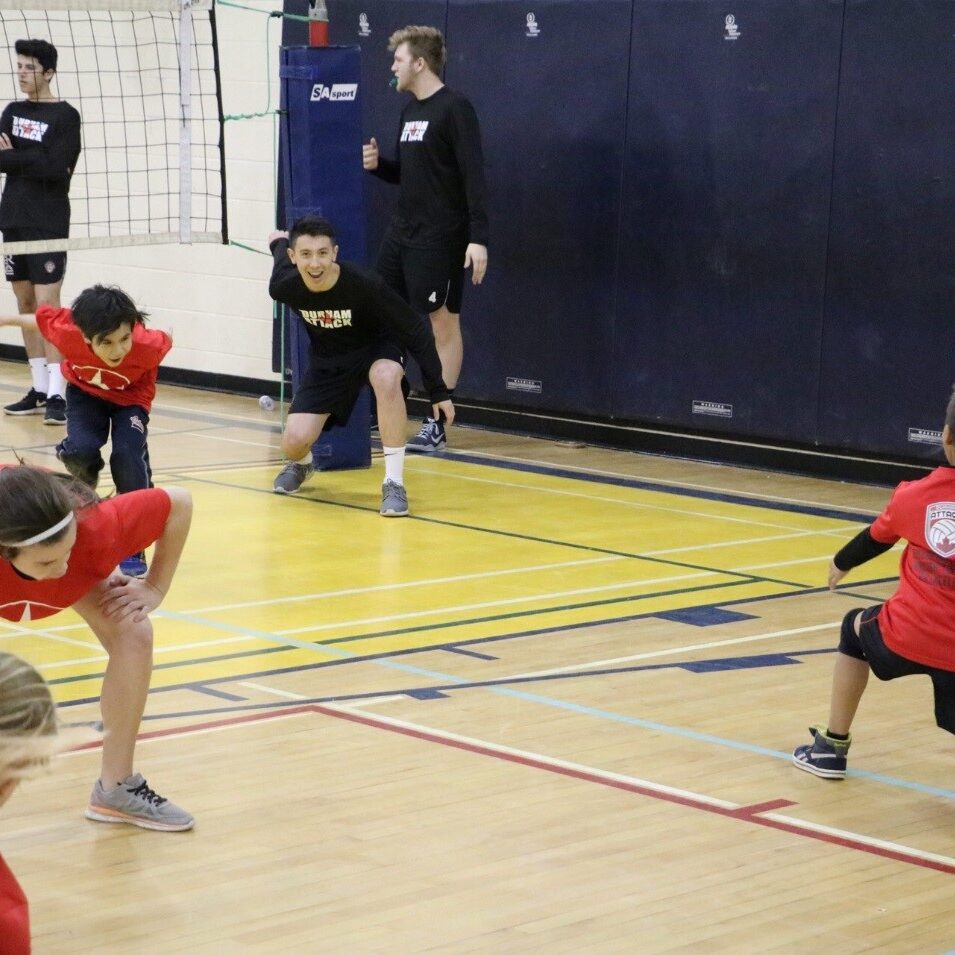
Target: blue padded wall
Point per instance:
(552, 116)
(754, 215)
(889, 345)
(724, 216)
(320, 136)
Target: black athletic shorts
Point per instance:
(334, 391)
(40, 268)
(886, 664)
(425, 278)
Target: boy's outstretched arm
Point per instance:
(19, 321)
(861, 548)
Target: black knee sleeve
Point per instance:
(849, 643)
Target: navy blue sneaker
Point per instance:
(55, 410)
(825, 756)
(33, 402)
(134, 566)
(430, 438)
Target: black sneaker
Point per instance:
(55, 410)
(825, 756)
(31, 403)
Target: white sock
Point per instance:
(395, 464)
(57, 384)
(40, 375)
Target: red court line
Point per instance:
(742, 814)
(747, 814)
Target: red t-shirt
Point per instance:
(918, 620)
(132, 382)
(14, 915)
(106, 533)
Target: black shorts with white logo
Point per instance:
(334, 390)
(40, 268)
(425, 278)
(886, 664)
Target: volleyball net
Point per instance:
(144, 77)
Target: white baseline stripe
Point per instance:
(506, 602)
(535, 757)
(834, 532)
(866, 840)
(433, 581)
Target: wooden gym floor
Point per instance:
(552, 711)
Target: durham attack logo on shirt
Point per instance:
(29, 128)
(414, 131)
(940, 528)
(327, 317)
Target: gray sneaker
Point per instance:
(135, 803)
(291, 477)
(394, 500)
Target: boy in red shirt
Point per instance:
(110, 363)
(59, 546)
(914, 630)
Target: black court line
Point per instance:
(411, 651)
(496, 532)
(643, 484)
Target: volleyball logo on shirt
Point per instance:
(414, 131)
(940, 528)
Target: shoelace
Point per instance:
(146, 794)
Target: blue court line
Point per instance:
(500, 688)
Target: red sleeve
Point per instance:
(14, 915)
(141, 516)
(883, 529)
(152, 342)
(57, 327)
(120, 526)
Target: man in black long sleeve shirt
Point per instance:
(358, 331)
(39, 147)
(440, 226)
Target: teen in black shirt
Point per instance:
(39, 147)
(440, 226)
(358, 331)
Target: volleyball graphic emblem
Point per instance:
(940, 528)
